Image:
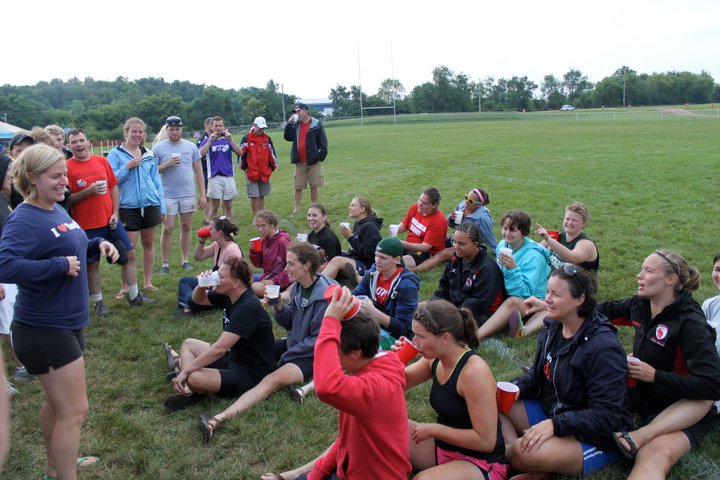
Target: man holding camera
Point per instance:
(221, 177)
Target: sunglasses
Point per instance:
(571, 271)
(173, 121)
(471, 201)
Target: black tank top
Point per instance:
(452, 411)
(557, 262)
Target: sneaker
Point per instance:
(164, 270)
(12, 391)
(101, 309)
(21, 375)
(179, 401)
(140, 300)
(351, 276)
(181, 313)
(187, 266)
(515, 325)
(297, 394)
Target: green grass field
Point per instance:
(648, 180)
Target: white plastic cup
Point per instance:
(393, 230)
(177, 155)
(273, 293)
(458, 217)
(294, 118)
(301, 237)
(211, 280)
(103, 185)
(345, 224)
(505, 250)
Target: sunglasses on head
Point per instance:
(572, 271)
(173, 121)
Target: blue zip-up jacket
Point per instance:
(139, 187)
(315, 142)
(530, 276)
(401, 301)
(589, 375)
(303, 323)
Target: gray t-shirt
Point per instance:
(711, 308)
(178, 182)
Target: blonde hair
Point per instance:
(137, 120)
(161, 135)
(40, 135)
(580, 209)
(55, 130)
(34, 160)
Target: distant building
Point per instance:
(322, 105)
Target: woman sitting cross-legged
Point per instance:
(573, 398)
(271, 258)
(525, 266)
(294, 353)
(466, 442)
(221, 248)
(242, 355)
(677, 373)
(472, 279)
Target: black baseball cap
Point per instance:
(300, 106)
(19, 138)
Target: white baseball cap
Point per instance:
(260, 122)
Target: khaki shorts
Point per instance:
(308, 175)
(173, 206)
(222, 188)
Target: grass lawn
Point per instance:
(649, 182)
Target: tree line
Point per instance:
(101, 107)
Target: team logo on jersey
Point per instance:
(661, 332)
(468, 282)
(81, 183)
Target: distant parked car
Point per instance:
(567, 107)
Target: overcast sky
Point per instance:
(310, 46)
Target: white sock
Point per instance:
(132, 291)
(97, 297)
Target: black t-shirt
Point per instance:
(549, 397)
(327, 240)
(255, 350)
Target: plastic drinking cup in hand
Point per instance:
(330, 292)
(273, 294)
(407, 350)
(393, 230)
(211, 280)
(345, 224)
(506, 394)
(554, 234)
(256, 244)
(203, 232)
(505, 250)
(458, 217)
(301, 237)
(631, 382)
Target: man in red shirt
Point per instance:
(95, 202)
(308, 151)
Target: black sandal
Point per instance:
(208, 425)
(629, 454)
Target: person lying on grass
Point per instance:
(372, 422)
(241, 356)
(294, 353)
(677, 371)
(525, 266)
(573, 398)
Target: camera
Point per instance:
(221, 134)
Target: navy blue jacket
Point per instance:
(401, 302)
(589, 378)
(315, 142)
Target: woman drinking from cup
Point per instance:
(472, 279)
(573, 397)
(363, 238)
(321, 234)
(222, 246)
(271, 257)
(466, 441)
(678, 372)
(44, 252)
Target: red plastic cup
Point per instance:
(256, 244)
(203, 232)
(554, 234)
(407, 351)
(506, 394)
(330, 292)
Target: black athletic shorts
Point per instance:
(304, 364)
(40, 348)
(234, 378)
(135, 219)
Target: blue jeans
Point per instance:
(185, 291)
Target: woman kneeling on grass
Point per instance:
(241, 356)
(678, 372)
(221, 248)
(294, 353)
(573, 398)
(466, 442)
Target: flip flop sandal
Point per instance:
(172, 360)
(83, 462)
(151, 288)
(629, 454)
(121, 295)
(515, 325)
(208, 425)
